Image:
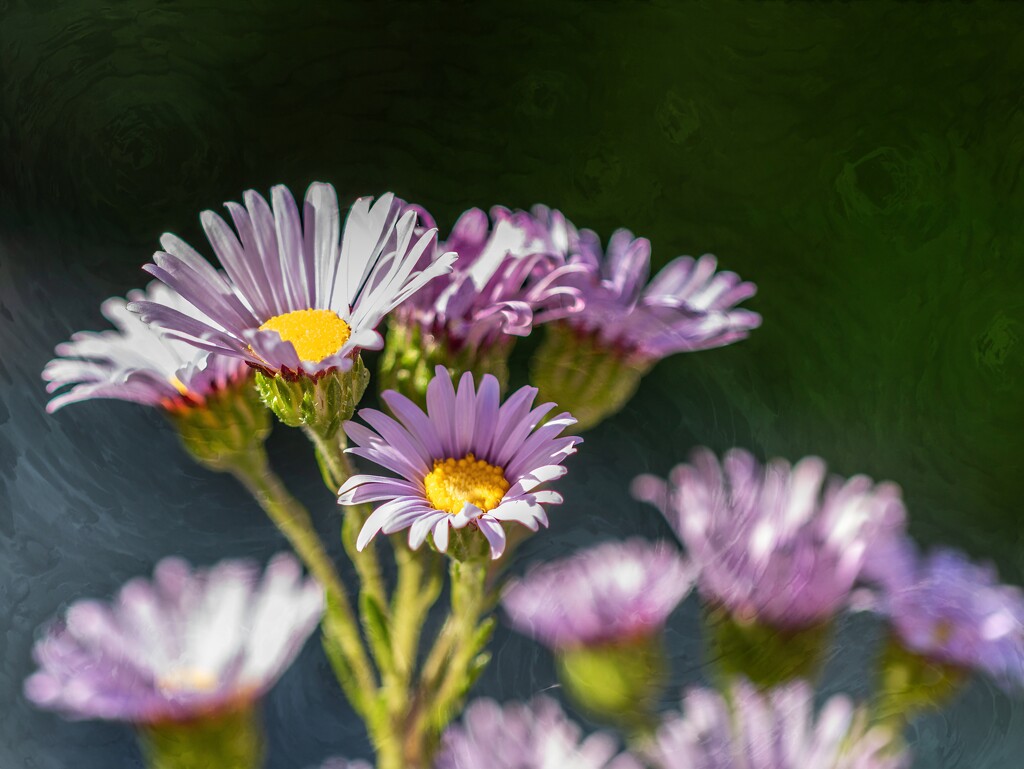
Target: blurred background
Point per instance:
(860, 163)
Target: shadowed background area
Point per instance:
(860, 163)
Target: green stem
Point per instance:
(336, 469)
(455, 661)
(295, 523)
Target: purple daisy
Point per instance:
(773, 730)
(190, 643)
(468, 460)
(687, 306)
(612, 593)
(774, 544)
(300, 297)
(510, 276)
(136, 363)
(537, 735)
(950, 610)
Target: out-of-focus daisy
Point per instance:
(773, 730)
(955, 613)
(341, 763)
(775, 544)
(612, 593)
(510, 276)
(136, 363)
(602, 611)
(592, 361)
(535, 735)
(300, 297)
(188, 645)
(468, 461)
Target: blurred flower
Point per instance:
(952, 611)
(467, 460)
(299, 298)
(136, 363)
(592, 361)
(775, 730)
(775, 545)
(341, 763)
(191, 644)
(615, 592)
(537, 735)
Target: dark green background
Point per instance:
(860, 162)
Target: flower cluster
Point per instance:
(776, 550)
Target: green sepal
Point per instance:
(321, 404)
(375, 624)
(225, 428)
(583, 377)
(618, 683)
(410, 358)
(911, 684)
(230, 739)
(765, 655)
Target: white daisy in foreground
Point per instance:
(300, 297)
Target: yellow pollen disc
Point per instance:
(454, 482)
(316, 334)
(187, 680)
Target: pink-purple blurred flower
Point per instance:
(469, 460)
(534, 735)
(777, 545)
(612, 593)
(300, 296)
(137, 363)
(773, 730)
(948, 609)
(188, 644)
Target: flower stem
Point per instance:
(336, 469)
(295, 523)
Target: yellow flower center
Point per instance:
(315, 334)
(187, 680)
(454, 482)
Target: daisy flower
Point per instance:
(688, 306)
(189, 644)
(138, 364)
(592, 361)
(509, 276)
(300, 297)
(773, 730)
(777, 545)
(536, 735)
(612, 593)
(467, 461)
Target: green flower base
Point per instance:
(321, 404)
(764, 655)
(589, 381)
(619, 684)
(225, 429)
(911, 684)
(225, 741)
(410, 358)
